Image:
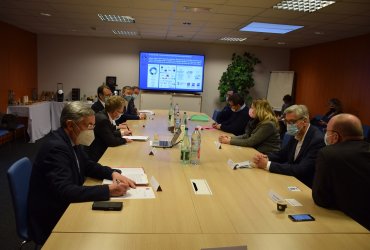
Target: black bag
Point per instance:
(9, 122)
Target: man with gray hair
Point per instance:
(342, 174)
(59, 172)
(297, 158)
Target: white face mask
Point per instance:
(85, 137)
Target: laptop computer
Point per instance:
(167, 143)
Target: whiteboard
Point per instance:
(281, 84)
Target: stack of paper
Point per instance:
(135, 174)
(136, 137)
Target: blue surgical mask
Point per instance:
(292, 129)
(127, 97)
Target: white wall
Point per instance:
(84, 62)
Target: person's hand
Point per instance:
(218, 126)
(122, 126)
(126, 132)
(118, 188)
(117, 177)
(142, 116)
(260, 160)
(128, 140)
(224, 139)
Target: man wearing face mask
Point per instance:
(297, 157)
(130, 112)
(342, 174)
(103, 94)
(59, 172)
(239, 118)
(106, 134)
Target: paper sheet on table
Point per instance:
(135, 174)
(136, 137)
(137, 193)
(149, 112)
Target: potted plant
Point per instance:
(239, 76)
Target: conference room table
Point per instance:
(239, 211)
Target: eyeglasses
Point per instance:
(291, 122)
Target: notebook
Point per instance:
(166, 143)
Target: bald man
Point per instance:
(342, 177)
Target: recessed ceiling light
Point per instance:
(302, 5)
(186, 23)
(319, 33)
(197, 9)
(45, 14)
(270, 28)
(125, 33)
(233, 39)
(281, 43)
(115, 18)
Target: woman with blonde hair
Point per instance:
(262, 131)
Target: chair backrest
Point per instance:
(19, 178)
(215, 114)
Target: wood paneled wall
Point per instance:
(18, 63)
(338, 69)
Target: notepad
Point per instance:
(136, 137)
(135, 174)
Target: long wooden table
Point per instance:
(238, 212)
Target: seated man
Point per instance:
(297, 158)
(103, 94)
(239, 118)
(105, 131)
(343, 170)
(59, 172)
(226, 112)
(130, 112)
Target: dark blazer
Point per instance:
(56, 181)
(106, 135)
(97, 106)
(303, 167)
(342, 179)
(237, 122)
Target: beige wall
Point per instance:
(82, 62)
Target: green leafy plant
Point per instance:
(239, 76)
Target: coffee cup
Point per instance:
(281, 205)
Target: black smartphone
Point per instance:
(301, 217)
(107, 206)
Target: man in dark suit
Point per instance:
(103, 94)
(342, 178)
(60, 169)
(298, 157)
(130, 111)
(239, 118)
(105, 131)
(226, 112)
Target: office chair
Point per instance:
(215, 114)
(366, 129)
(19, 177)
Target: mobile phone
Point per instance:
(301, 217)
(107, 206)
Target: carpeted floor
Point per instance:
(9, 153)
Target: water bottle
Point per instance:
(185, 120)
(177, 121)
(195, 147)
(171, 119)
(170, 112)
(177, 109)
(185, 148)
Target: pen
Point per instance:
(195, 186)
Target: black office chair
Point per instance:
(19, 178)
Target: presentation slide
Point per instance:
(171, 72)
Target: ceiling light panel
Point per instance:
(125, 33)
(233, 39)
(302, 5)
(115, 18)
(270, 28)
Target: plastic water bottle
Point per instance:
(177, 109)
(170, 112)
(177, 121)
(195, 147)
(171, 118)
(185, 120)
(185, 148)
